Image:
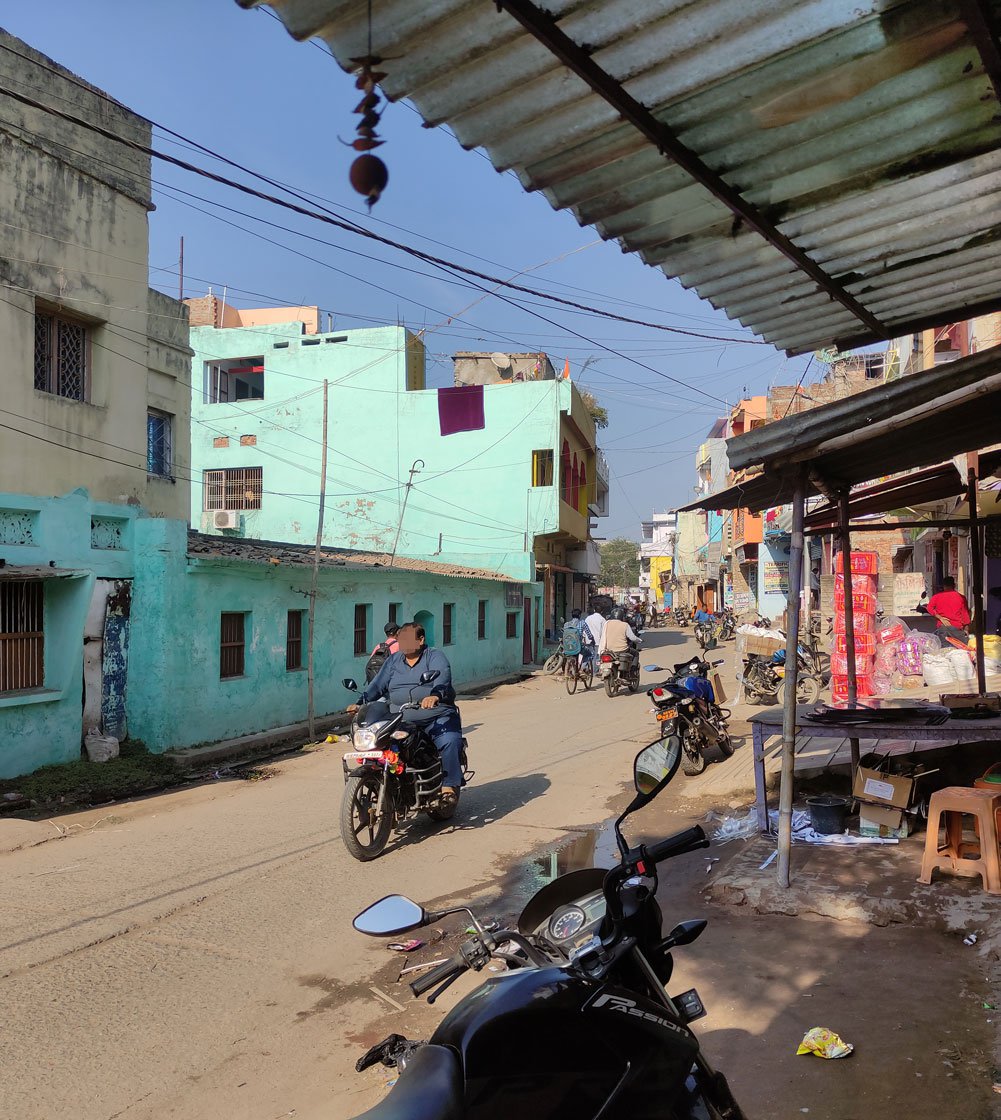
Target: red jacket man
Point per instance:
(949, 607)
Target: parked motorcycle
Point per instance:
(618, 669)
(681, 616)
(727, 626)
(686, 705)
(705, 634)
(581, 1024)
(764, 682)
(394, 770)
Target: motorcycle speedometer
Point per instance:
(567, 923)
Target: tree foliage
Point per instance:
(620, 564)
(597, 412)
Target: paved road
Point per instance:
(191, 955)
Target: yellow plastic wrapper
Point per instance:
(332, 739)
(824, 1043)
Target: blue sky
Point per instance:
(235, 82)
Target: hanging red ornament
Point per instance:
(369, 176)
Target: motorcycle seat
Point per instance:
(430, 1088)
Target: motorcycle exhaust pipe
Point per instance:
(706, 728)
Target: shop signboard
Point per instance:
(776, 576)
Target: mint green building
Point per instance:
(513, 496)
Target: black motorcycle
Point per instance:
(681, 616)
(394, 770)
(686, 705)
(764, 681)
(618, 669)
(581, 1024)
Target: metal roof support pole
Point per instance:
(849, 591)
(977, 563)
(791, 675)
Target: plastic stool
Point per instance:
(961, 857)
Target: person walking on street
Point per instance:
(595, 622)
(382, 651)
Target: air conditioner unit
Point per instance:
(226, 519)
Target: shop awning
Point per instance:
(827, 174)
(39, 571)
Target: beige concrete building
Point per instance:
(96, 367)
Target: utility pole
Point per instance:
(310, 676)
(414, 469)
(180, 273)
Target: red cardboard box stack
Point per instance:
(863, 567)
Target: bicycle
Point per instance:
(577, 667)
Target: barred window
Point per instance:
(293, 641)
(447, 622)
(158, 443)
(232, 644)
(22, 639)
(232, 488)
(61, 356)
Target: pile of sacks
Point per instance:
(906, 659)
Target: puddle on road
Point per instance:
(594, 847)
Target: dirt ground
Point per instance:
(191, 955)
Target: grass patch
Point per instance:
(135, 771)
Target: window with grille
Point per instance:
(233, 488)
(61, 356)
(22, 640)
(232, 644)
(293, 641)
(362, 611)
(158, 443)
(542, 467)
(481, 620)
(512, 624)
(447, 618)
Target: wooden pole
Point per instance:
(846, 571)
(180, 272)
(977, 563)
(791, 679)
(310, 674)
(414, 469)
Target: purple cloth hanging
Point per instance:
(460, 409)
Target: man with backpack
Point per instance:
(577, 638)
(382, 652)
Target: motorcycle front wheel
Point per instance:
(552, 664)
(807, 690)
(364, 835)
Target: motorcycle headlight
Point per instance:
(363, 739)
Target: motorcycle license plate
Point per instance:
(670, 713)
(363, 754)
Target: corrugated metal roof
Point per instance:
(914, 422)
(865, 131)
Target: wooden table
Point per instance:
(767, 725)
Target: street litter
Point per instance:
(405, 946)
(421, 967)
(743, 828)
(824, 1043)
(771, 859)
(970, 939)
(709, 863)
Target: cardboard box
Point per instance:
(877, 788)
(878, 820)
(861, 563)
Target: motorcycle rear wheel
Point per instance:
(610, 685)
(807, 690)
(364, 837)
(693, 760)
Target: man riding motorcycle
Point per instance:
(618, 637)
(399, 682)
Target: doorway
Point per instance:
(426, 619)
(527, 653)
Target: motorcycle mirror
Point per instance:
(430, 675)
(653, 768)
(652, 669)
(393, 914)
(684, 933)
(349, 683)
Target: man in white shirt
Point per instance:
(595, 622)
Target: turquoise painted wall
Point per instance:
(473, 497)
(45, 725)
(176, 698)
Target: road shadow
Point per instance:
(479, 805)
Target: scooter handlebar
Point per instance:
(687, 841)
